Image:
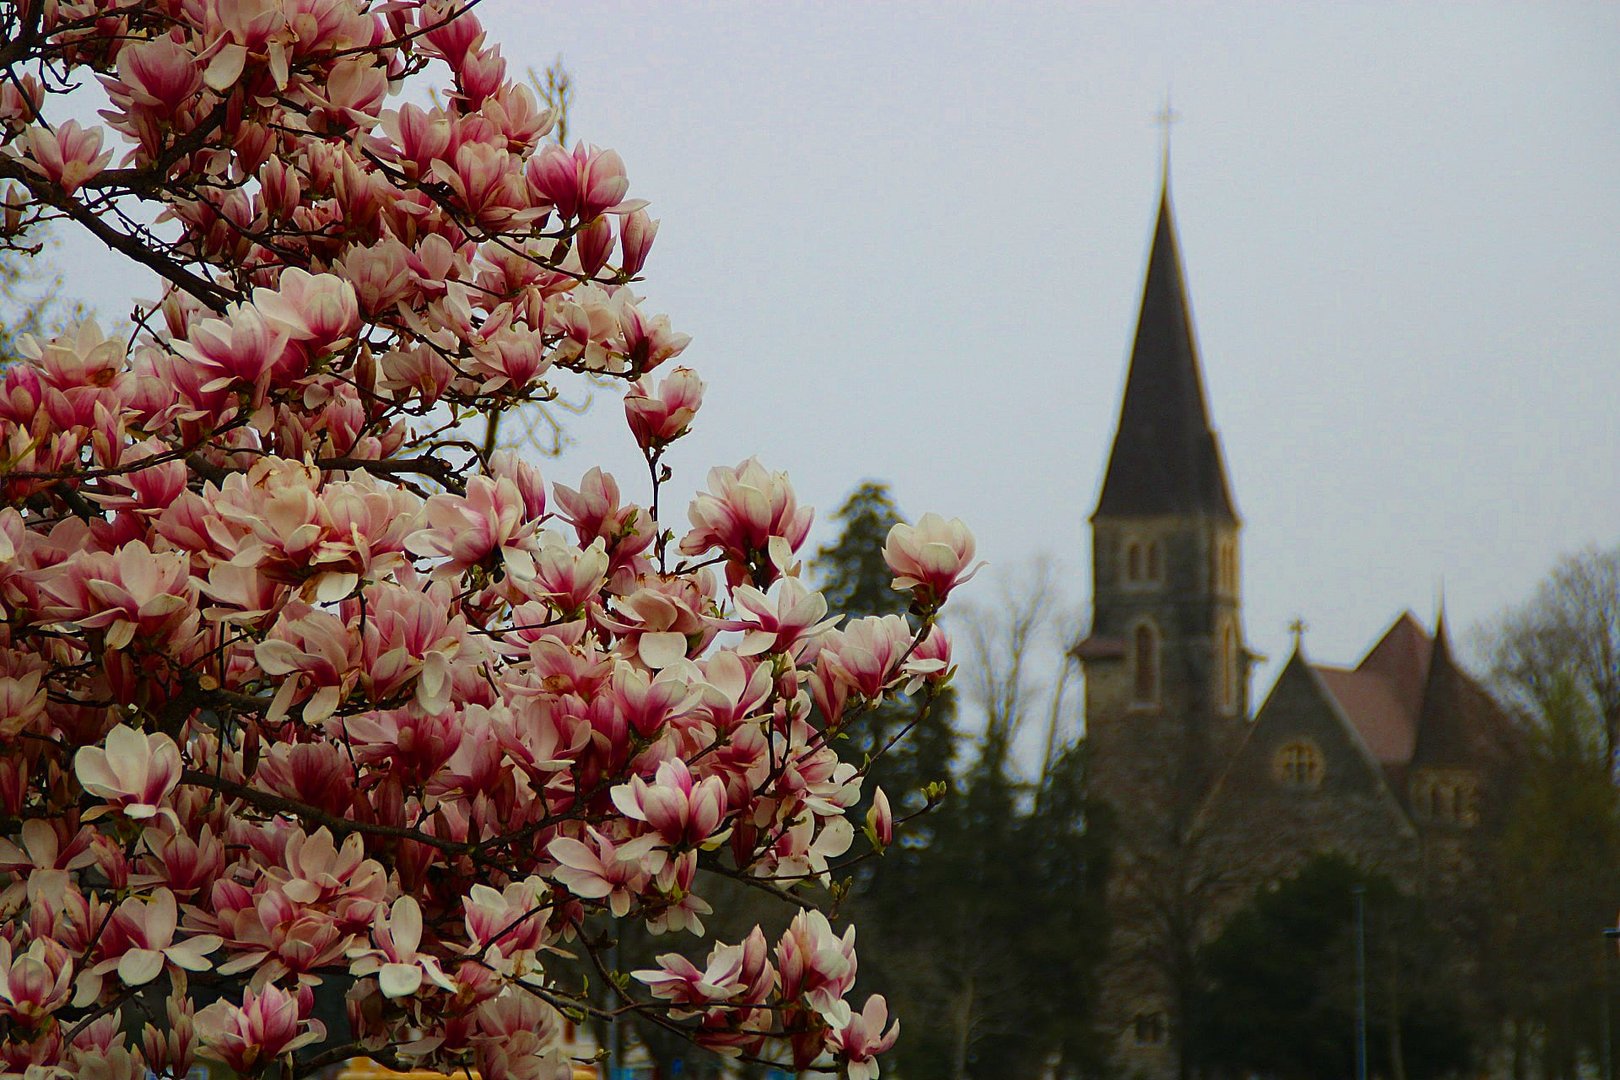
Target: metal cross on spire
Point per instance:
(1298, 628)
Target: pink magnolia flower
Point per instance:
(139, 942)
(817, 965)
(80, 357)
(603, 869)
(319, 871)
(663, 621)
(512, 359)
(319, 774)
(98, 1052)
(752, 517)
(132, 591)
(681, 982)
(507, 465)
(581, 183)
(159, 75)
(647, 342)
(411, 743)
(469, 530)
(68, 156)
(866, 654)
(593, 244)
(172, 1048)
(862, 1039)
(931, 660)
(420, 137)
(134, 774)
(145, 489)
(186, 863)
(679, 809)
(42, 849)
(395, 961)
(22, 702)
(788, 619)
(930, 558)
(36, 983)
(515, 1012)
(311, 651)
(595, 511)
(409, 633)
(242, 348)
(317, 309)
(511, 920)
(802, 850)
(658, 417)
(265, 1026)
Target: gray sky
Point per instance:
(908, 242)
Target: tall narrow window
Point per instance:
(1145, 664)
(1226, 567)
(1228, 668)
(1133, 562)
(1155, 562)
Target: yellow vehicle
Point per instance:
(366, 1069)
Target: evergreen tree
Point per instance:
(854, 578)
(1280, 991)
(985, 918)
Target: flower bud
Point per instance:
(880, 821)
(635, 241)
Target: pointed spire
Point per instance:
(1166, 457)
(1459, 723)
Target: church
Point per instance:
(1401, 762)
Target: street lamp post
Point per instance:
(1360, 893)
(1611, 939)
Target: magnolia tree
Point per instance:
(301, 694)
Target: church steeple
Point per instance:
(1165, 659)
(1166, 457)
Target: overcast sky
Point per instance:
(908, 242)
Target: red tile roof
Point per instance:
(1383, 695)
(1370, 702)
(1412, 704)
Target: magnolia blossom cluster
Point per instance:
(304, 693)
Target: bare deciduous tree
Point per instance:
(1566, 638)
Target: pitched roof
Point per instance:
(1383, 695)
(1303, 704)
(1166, 457)
(1413, 705)
(1371, 706)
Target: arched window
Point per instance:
(1446, 797)
(1145, 664)
(1229, 674)
(1149, 1029)
(1155, 562)
(1133, 562)
(1226, 567)
(1298, 765)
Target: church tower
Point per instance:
(1165, 662)
(1166, 669)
